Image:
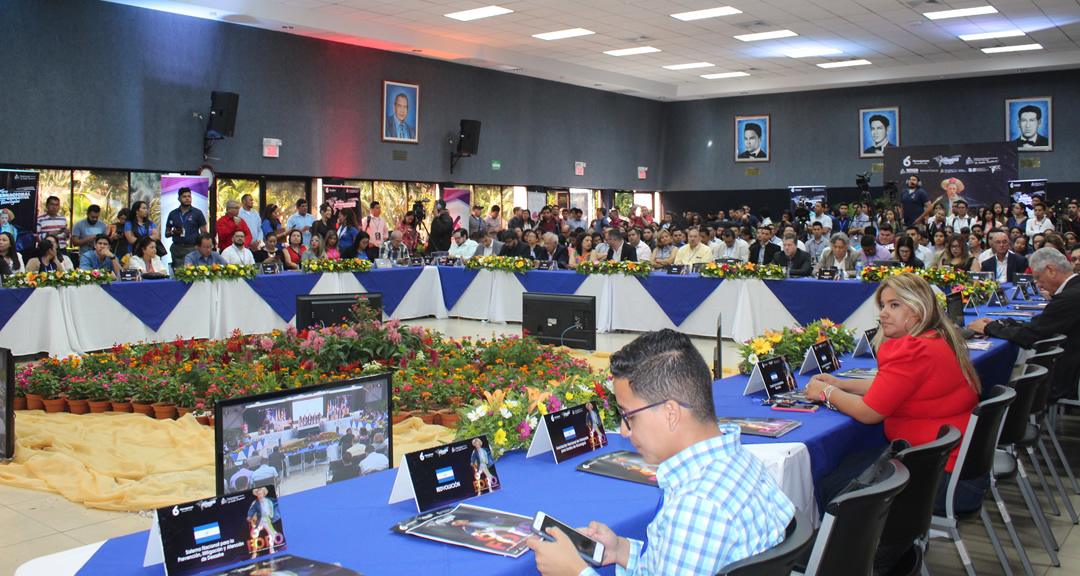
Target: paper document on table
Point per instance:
(979, 344)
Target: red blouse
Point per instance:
(919, 388)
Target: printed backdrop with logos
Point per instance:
(339, 197)
(979, 173)
(18, 206)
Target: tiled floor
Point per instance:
(34, 524)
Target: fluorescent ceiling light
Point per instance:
(844, 64)
(571, 33)
(710, 13)
(766, 35)
(632, 51)
(1019, 48)
(960, 13)
(811, 52)
(478, 13)
(724, 75)
(989, 35)
(689, 66)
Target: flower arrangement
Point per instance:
(347, 265)
(503, 263)
(879, 273)
(978, 291)
(793, 342)
(202, 273)
(611, 267)
(743, 270)
(944, 276)
(57, 279)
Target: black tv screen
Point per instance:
(7, 404)
(1024, 191)
(560, 319)
(320, 310)
(304, 438)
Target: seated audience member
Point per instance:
(9, 255)
(730, 246)
(719, 504)
(763, 251)
(1003, 262)
(273, 230)
(886, 238)
(264, 474)
(463, 247)
(243, 474)
(349, 468)
(374, 461)
(531, 239)
(1020, 246)
(514, 247)
(315, 250)
(956, 255)
(797, 262)
(268, 253)
(552, 251)
(236, 253)
(1055, 275)
(380, 442)
(330, 246)
(648, 236)
(925, 380)
(818, 243)
(85, 232)
(839, 255)
(871, 251)
(582, 250)
(485, 244)
(144, 256)
(395, 250)
(46, 259)
(905, 253)
(633, 238)
(294, 250)
(101, 258)
(694, 252)
(204, 254)
(1074, 257)
(359, 249)
(618, 250)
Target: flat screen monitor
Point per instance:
(7, 404)
(321, 310)
(560, 319)
(304, 438)
(1024, 191)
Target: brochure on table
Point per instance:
(481, 529)
(198, 536)
(865, 347)
(621, 464)
(768, 427)
(772, 375)
(287, 565)
(820, 357)
(569, 432)
(435, 476)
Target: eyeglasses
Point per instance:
(625, 416)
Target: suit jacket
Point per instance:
(759, 154)
(561, 255)
(742, 251)
(874, 149)
(770, 252)
(1040, 140)
(800, 262)
(519, 250)
(1059, 317)
(391, 123)
(1014, 264)
(626, 254)
(496, 248)
(828, 260)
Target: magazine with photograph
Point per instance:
(473, 527)
(769, 427)
(858, 373)
(621, 464)
(288, 565)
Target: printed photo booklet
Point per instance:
(621, 464)
(473, 527)
(288, 565)
(770, 427)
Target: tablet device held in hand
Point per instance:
(589, 549)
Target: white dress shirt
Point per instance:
(239, 257)
(465, 250)
(1036, 227)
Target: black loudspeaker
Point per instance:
(223, 113)
(469, 140)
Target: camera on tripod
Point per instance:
(419, 209)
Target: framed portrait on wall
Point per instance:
(752, 138)
(401, 112)
(1029, 123)
(879, 128)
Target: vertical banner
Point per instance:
(804, 197)
(19, 206)
(457, 202)
(976, 173)
(170, 200)
(339, 197)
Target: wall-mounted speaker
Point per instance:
(469, 139)
(223, 113)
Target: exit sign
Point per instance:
(496, 165)
(271, 147)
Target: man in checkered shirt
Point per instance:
(53, 224)
(719, 504)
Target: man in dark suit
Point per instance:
(796, 261)
(1029, 120)
(514, 247)
(879, 133)
(752, 141)
(1054, 274)
(618, 250)
(763, 251)
(552, 251)
(1004, 264)
(486, 245)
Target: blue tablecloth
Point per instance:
(809, 300)
(679, 296)
(394, 283)
(455, 281)
(279, 291)
(10, 302)
(151, 301)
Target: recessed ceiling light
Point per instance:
(989, 35)
(709, 13)
(571, 33)
(478, 13)
(724, 75)
(689, 66)
(960, 13)
(766, 35)
(811, 52)
(632, 51)
(844, 64)
(1020, 48)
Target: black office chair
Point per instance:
(294, 460)
(779, 559)
(850, 531)
(1059, 399)
(911, 512)
(309, 458)
(976, 459)
(331, 469)
(1048, 360)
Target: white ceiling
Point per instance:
(902, 44)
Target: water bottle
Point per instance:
(858, 267)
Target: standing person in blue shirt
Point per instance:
(302, 221)
(85, 232)
(101, 258)
(347, 228)
(272, 229)
(719, 503)
(915, 203)
(184, 225)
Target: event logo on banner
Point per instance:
(170, 200)
(339, 197)
(805, 196)
(18, 206)
(457, 202)
(976, 173)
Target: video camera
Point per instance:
(419, 209)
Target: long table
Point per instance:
(63, 321)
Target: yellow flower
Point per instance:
(827, 323)
(500, 437)
(542, 407)
(569, 395)
(761, 346)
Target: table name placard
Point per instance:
(998, 298)
(569, 433)
(269, 267)
(821, 357)
(865, 347)
(129, 275)
(772, 375)
(435, 476)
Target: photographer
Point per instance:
(442, 227)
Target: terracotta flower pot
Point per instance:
(78, 406)
(121, 406)
(210, 421)
(401, 417)
(164, 410)
(55, 405)
(34, 402)
(427, 417)
(204, 420)
(145, 409)
(448, 419)
(20, 402)
(99, 406)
